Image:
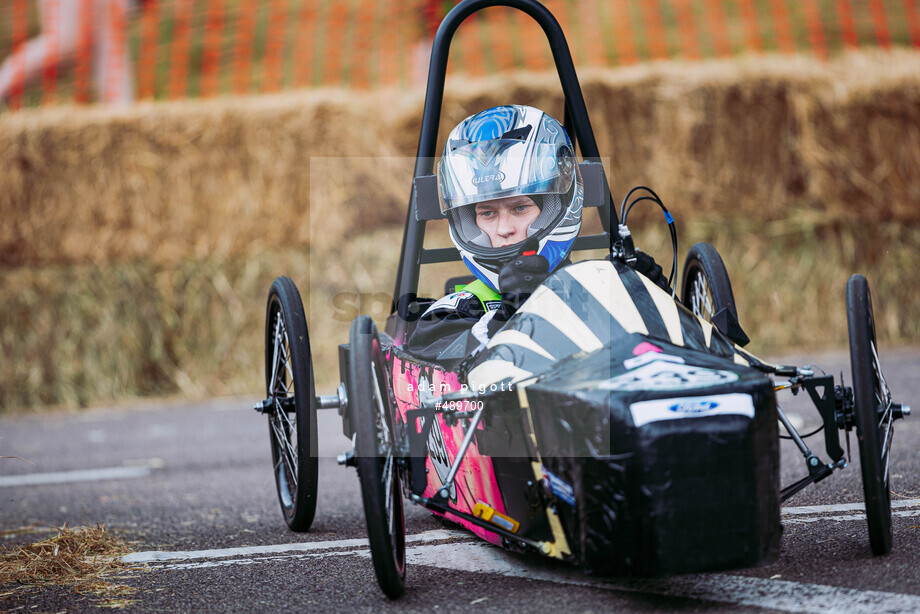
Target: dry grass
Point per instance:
(91, 334)
(136, 251)
(81, 558)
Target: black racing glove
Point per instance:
(517, 280)
(646, 265)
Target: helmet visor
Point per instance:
(486, 170)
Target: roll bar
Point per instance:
(576, 123)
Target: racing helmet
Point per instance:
(507, 151)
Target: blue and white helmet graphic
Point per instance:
(510, 151)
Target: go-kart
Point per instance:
(609, 423)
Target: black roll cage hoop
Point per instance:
(576, 124)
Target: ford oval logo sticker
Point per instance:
(693, 407)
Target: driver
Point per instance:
(510, 188)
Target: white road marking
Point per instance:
(479, 557)
(815, 513)
(261, 559)
(81, 475)
(843, 507)
(154, 556)
(845, 518)
(836, 513)
(779, 595)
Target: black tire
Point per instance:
(292, 418)
(873, 413)
(705, 286)
(368, 396)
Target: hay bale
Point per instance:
(165, 182)
(740, 137)
(136, 248)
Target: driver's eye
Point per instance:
(522, 208)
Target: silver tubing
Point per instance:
(338, 401)
(448, 482)
(792, 432)
(327, 401)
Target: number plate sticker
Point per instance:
(692, 407)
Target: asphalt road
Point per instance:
(194, 479)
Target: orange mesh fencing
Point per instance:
(718, 28)
(82, 66)
(748, 14)
(147, 58)
(52, 53)
(690, 46)
(502, 49)
(913, 21)
(274, 45)
(211, 48)
(655, 34)
(304, 44)
(592, 33)
(623, 34)
(881, 23)
(782, 26)
(17, 62)
(206, 48)
(244, 38)
(181, 40)
(815, 27)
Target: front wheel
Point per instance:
(707, 291)
(291, 404)
(375, 446)
(874, 413)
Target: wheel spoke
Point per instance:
(701, 301)
(281, 362)
(381, 410)
(276, 350)
(388, 489)
(282, 386)
(886, 417)
(280, 443)
(284, 446)
(287, 365)
(384, 448)
(886, 451)
(286, 417)
(287, 450)
(277, 442)
(883, 408)
(697, 299)
(883, 393)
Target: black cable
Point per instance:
(638, 200)
(814, 432)
(625, 209)
(636, 189)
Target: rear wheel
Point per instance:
(368, 395)
(874, 413)
(291, 404)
